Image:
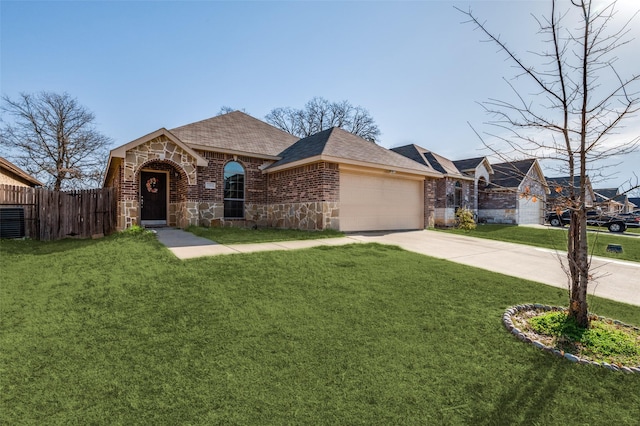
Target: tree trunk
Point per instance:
(578, 267)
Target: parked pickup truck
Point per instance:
(632, 220)
(613, 223)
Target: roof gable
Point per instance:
(121, 151)
(469, 165)
(340, 146)
(235, 132)
(511, 174)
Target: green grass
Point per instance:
(236, 235)
(555, 238)
(602, 341)
(118, 331)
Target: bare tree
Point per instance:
(319, 114)
(579, 100)
(225, 109)
(54, 138)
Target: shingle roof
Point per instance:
(635, 201)
(468, 164)
(564, 183)
(511, 174)
(236, 131)
(428, 158)
(340, 144)
(607, 193)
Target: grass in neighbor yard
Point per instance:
(237, 235)
(556, 238)
(118, 331)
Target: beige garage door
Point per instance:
(377, 202)
(529, 211)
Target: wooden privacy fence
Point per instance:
(50, 215)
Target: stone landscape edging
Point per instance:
(508, 323)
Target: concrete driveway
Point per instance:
(613, 279)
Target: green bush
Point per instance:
(465, 220)
(135, 230)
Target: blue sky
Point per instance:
(144, 65)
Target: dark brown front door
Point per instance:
(153, 198)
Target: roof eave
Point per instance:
(339, 160)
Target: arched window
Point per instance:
(233, 190)
(457, 196)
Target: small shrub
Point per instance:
(465, 220)
(135, 230)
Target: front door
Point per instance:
(153, 198)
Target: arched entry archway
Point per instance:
(161, 190)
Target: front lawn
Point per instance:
(556, 238)
(119, 331)
(237, 235)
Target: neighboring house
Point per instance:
(635, 201)
(481, 171)
(454, 191)
(515, 195)
(559, 188)
(611, 201)
(10, 174)
(234, 169)
(12, 211)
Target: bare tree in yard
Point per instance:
(579, 100)
(53, 137)
(319, 114)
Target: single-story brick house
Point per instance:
(235, 169)
(454, 191)
(516, 194)
(10, 174)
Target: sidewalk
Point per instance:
(616, 280)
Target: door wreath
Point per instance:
(151, 185)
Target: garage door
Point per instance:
(529, 212)
(380, 202)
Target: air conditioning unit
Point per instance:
(12, 222)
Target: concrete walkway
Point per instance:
(613, 279)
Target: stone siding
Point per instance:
(309, 216)
(506, 216)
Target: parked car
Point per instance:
(558, 219)
(613, 223)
